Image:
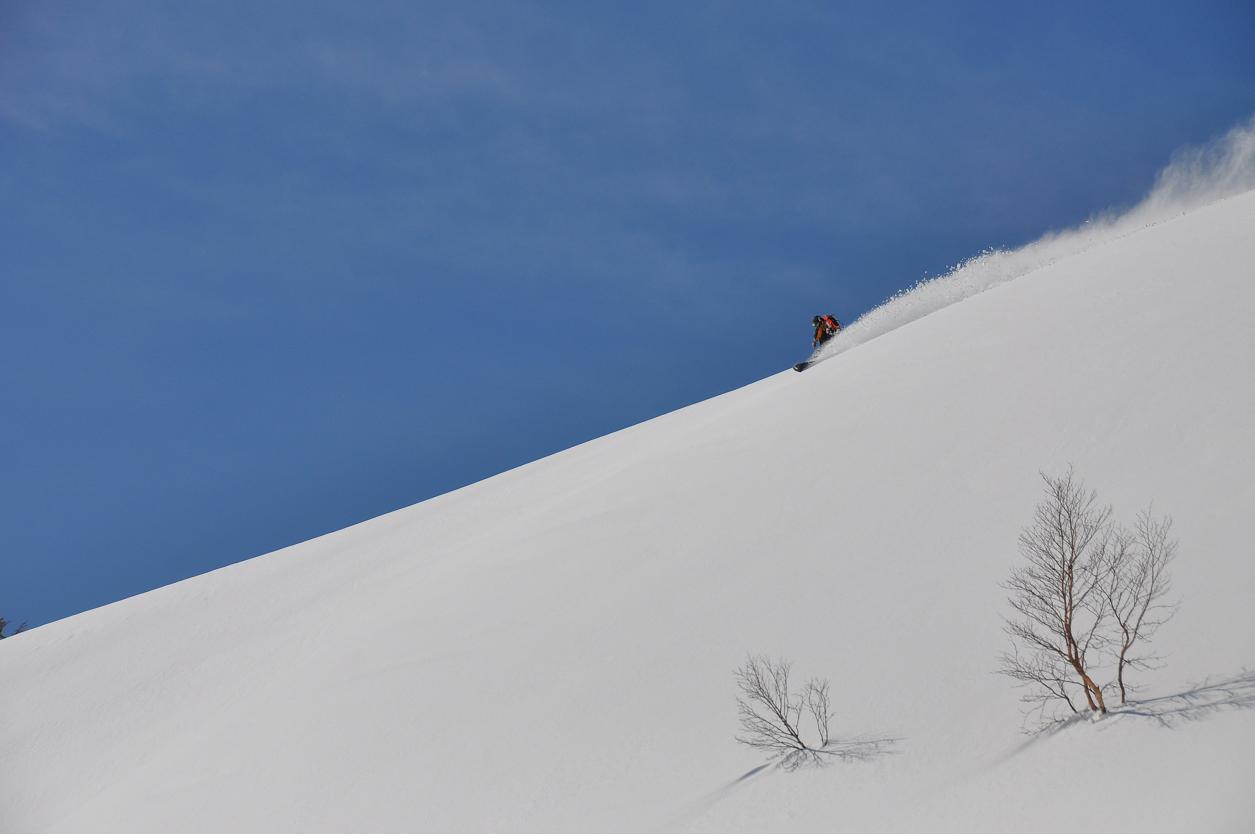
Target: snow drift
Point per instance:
(552, 650)
(1195, 177)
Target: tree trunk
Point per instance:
(1094, 692)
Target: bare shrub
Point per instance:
(1088, 588)
(771, 714)
(820, 708)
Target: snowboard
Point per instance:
(817, 356)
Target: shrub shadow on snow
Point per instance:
(863, 748)
(839, 750)
(749, 774)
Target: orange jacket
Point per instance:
(826, 329)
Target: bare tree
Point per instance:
(1057, 598)
(771, 713)
(1134, 587)
(5, 624)
(1090, 587)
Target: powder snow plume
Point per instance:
(1193, 178)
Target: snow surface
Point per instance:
(551, 650)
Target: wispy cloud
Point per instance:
(513, 141)
(82, 65)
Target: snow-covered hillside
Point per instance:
(552, 650)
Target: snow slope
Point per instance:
(551, 650)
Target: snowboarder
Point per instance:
(826, 327)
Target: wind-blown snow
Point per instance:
(551, 650)
(1195, 177)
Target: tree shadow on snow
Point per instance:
(1198, 701)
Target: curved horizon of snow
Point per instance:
(1194, 177)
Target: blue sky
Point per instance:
(273, 268)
